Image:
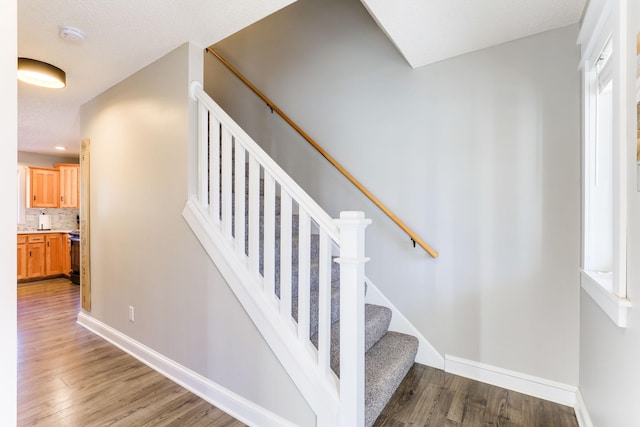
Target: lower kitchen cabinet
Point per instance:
(53, 254)
(22, 257)
(42, 255)
(35, 259)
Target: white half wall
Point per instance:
(479, 154)
(144, 255)
(8, 216)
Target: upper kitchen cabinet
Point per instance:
(44, 188)
(69, 185)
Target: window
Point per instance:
(604, 169)
(598, 197)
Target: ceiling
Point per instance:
(123, 36)
(427, 31)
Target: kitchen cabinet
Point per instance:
(43, 255)
(22, 257)
(36, 252)
(44, 188)
(57, 187)
(69, 185)
(53, 254)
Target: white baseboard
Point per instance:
(584, 420)
(427, 355)
(231, 403)
(511, 380)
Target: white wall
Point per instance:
(8, 158)
(144, 254)
(479, 154)
(609, 356)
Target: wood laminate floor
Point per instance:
(432, 398)
(67, 376)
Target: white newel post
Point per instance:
(352, 260)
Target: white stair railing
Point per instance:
(227, 216)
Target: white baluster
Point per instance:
(304, 257)
(240, 196)
(324, 308)
(227, 180)
(214, 171)
(352, 260)
(269, 236)
(285, 256)
(254, 216)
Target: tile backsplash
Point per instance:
(61, 219)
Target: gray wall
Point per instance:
(143, 253)
(44, 160)
(479, 154)
(609, 356)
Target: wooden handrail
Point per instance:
(414, 237)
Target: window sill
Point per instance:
(598, 287)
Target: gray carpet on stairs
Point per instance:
(376, 323)
(388, 355)
(386, 365)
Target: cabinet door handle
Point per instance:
(34, 198)
(29, 253)
(48, 244)
(62, 198)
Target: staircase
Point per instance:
(298, 273)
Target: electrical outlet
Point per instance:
(132, 314)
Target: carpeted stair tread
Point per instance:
(386, 365)
(376, 323)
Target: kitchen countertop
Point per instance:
(44, 231)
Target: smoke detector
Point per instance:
(71, 34)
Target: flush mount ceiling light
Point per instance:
(40, 73)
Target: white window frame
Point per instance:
(603, 20)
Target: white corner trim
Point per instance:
(615, 307)
(427, 354)
(582, 415)
(226, 400)
(511, 380)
